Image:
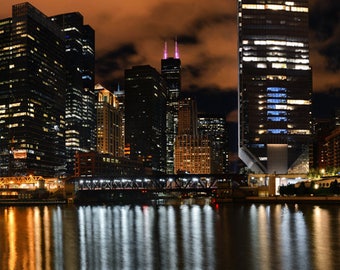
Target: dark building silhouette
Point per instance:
(32, 92)
(274, 85)
(80, 115)
(94, 164)
(171, 71)
(145, 116)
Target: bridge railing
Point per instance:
(172, 182)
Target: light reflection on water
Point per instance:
(170, 237)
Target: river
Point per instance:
(170, 236)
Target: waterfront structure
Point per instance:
(331, 148)
(192, 151)
(109, 123)
(94, 164)
(80, 114)
(145, 116)
(171, 71)
(32, 91)
(274, 85)
(214, 127)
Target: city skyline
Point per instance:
(128, 35)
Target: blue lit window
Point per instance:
(277, 131)
(276, 89)
(277, 95)
(277, 118)
(273, 113)
(269, 106)
(276, 100)
(258, 145)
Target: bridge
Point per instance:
(155, 183)
(29, 181)
(134, 188)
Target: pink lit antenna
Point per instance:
(165, 54)
(176, 50)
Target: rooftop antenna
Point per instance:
(176, 50)
(165, 54)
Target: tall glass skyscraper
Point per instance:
(80, 97)
(145, 111)
(275, 85)
(32, 91)
(171, 72)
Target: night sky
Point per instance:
(133, 32)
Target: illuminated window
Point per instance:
(277, 131)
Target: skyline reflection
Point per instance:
(170, 237)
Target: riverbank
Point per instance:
(201, 200)
(280, 199)
(30, 202)
(293, 199)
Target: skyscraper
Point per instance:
(32, 90)
(192, 150)
(171, 71)
(274, 85)
(145, 115)
(80, 115)
(214, 127)
(109, 123)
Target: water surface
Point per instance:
(185, 236)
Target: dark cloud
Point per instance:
(325, 44)
(109, 66)
(133, 32)
(212, 100)
(187, 39)
(324, 17)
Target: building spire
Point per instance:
(165, 54)
(176, 49)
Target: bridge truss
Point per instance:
(155, 183)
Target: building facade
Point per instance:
(275, 85)
(192, 150)
(332, 150)
(145, 117)
(80, 115)
(32, 91)
(109, 123)
(93, 164)
(214, 127)
(171, 72)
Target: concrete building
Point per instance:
(109, 123)
(192, 151)
(214, 127)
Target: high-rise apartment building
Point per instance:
(214, 127)
(145, 116)
(192, 150)
(274, 85)
(80, 115)
(171, 71)
(32, 91)
(120, 94)
(109, 123)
